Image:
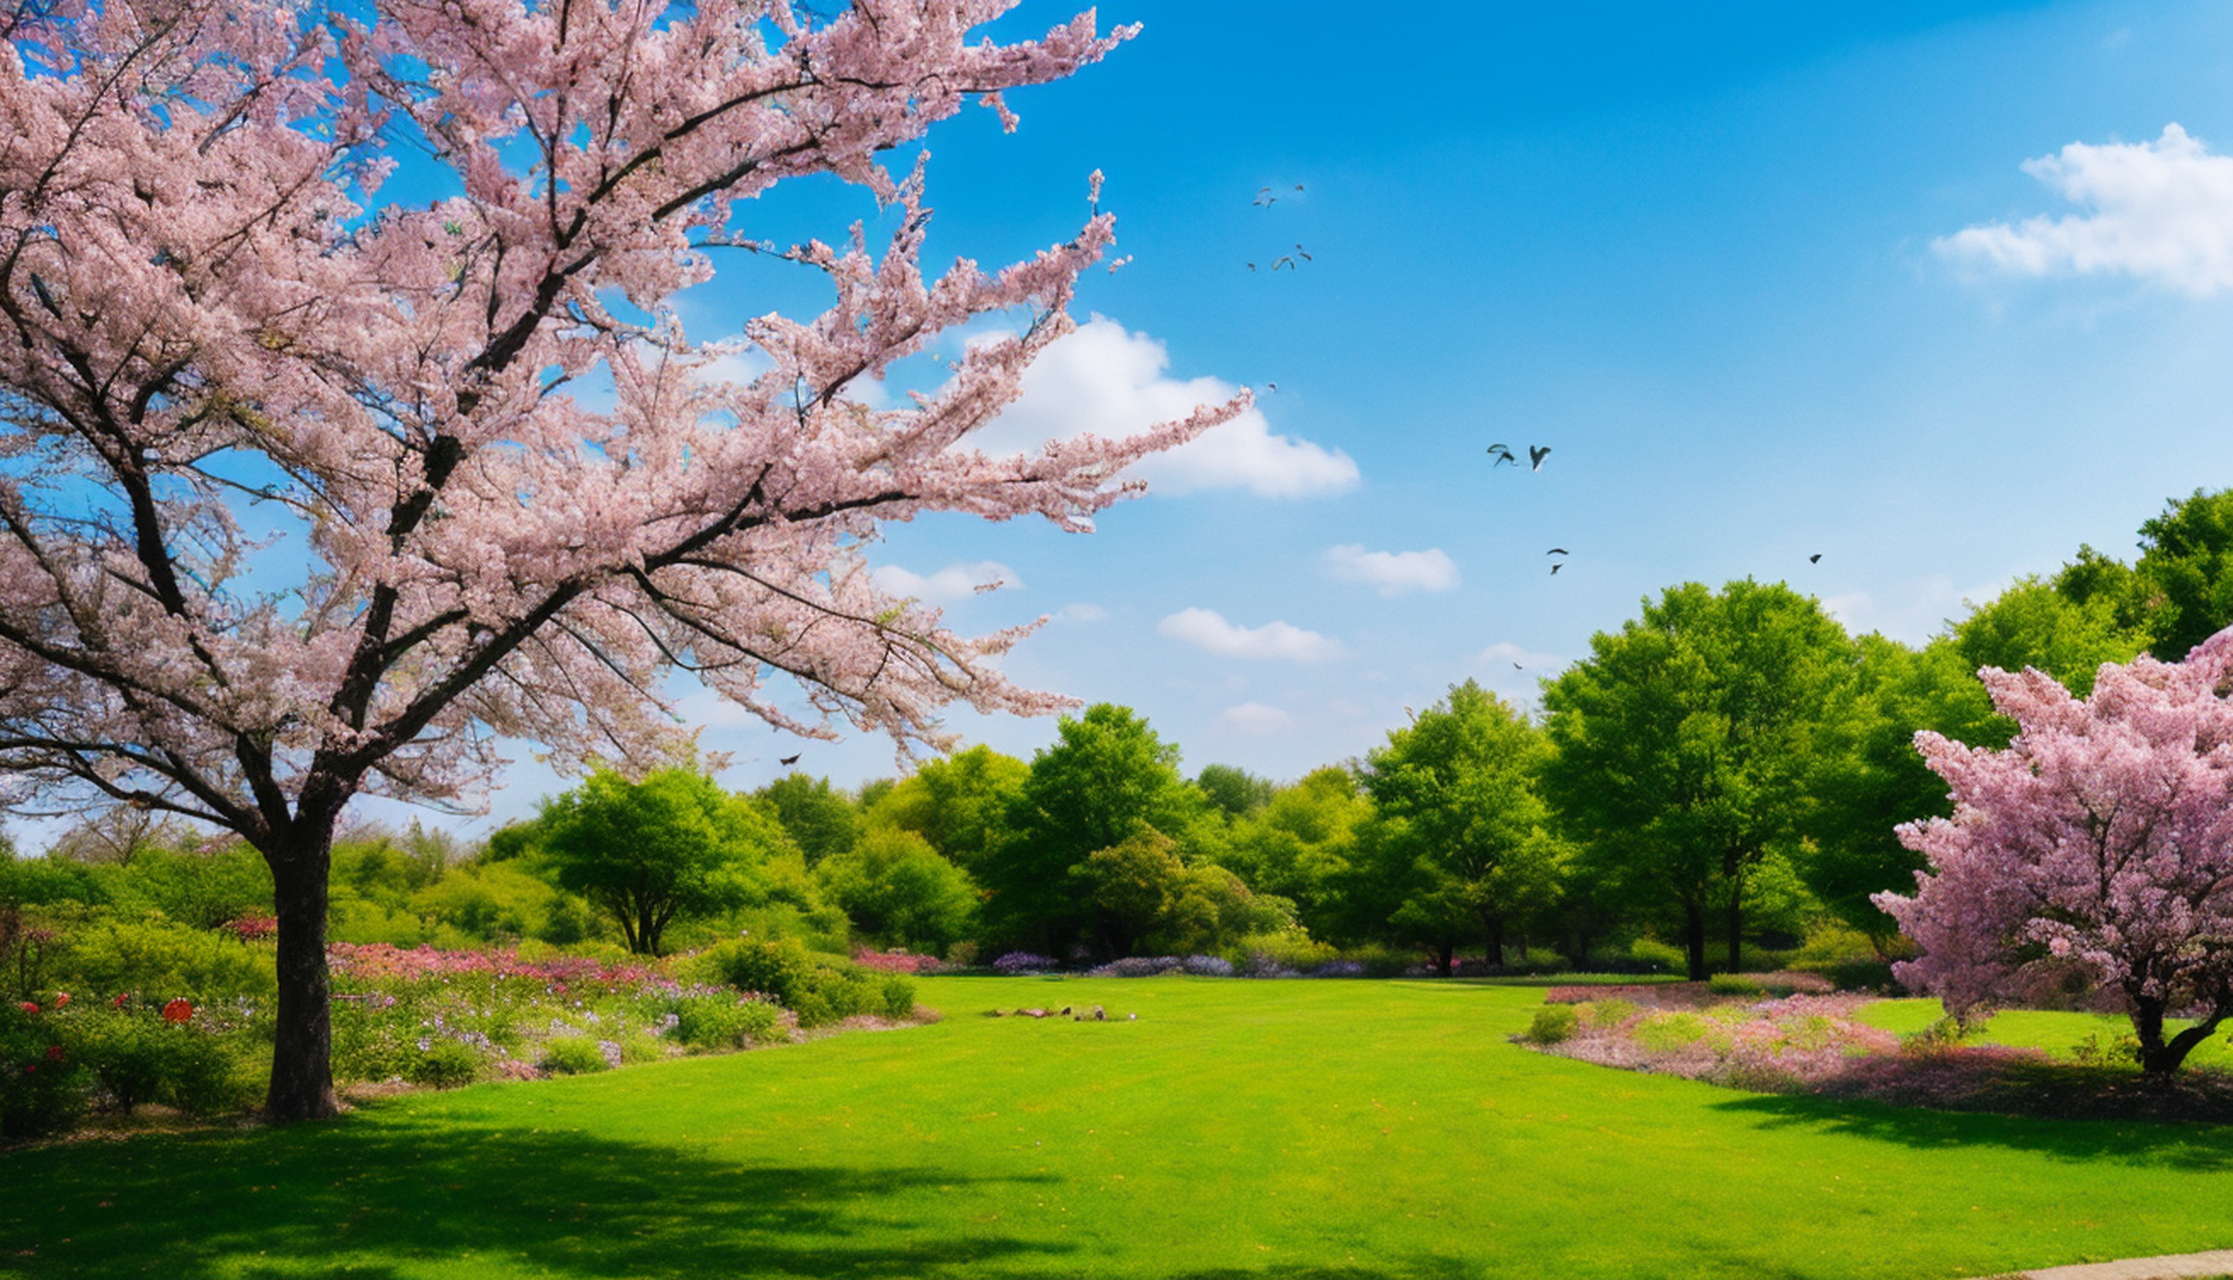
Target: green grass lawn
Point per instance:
(1344, 1130)
(2055, 1033)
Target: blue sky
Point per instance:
(1768, 280)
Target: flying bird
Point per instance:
(1265, 198)
(1816, 558)
(1517, 667)
(1556, 551)
(1536, 455)
(1556, 567)
(1252, 266)
(1502, 455)
(1271, 386)
(1284, 260)
(1305, 255)
(788, 761)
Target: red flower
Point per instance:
(118, 1003)
(30, 1006)
(54, 1053)
(61, 998)
(178, 1011)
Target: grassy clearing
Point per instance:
(2053, 1033)
(1341, 1130)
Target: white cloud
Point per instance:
(2161, 210)
(953, 582)
(1205, 629)
(1393, 573)
(1083, 611)
(1104, 380)
(1253, 719)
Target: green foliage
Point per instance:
(202, 890)
(1688, 743)
(1665, 1032)
(898, 892)
(136, 1057)
(818, 818)
(572, 1056)
(2186, 573)
(1235, 791)
(1661, 957)
(819, 989)
(1107, 780)
(1610, 1013)
(41, 1076)
(1734, 984)
(1553, 1023)
(1459, 847)
(673, 844)
(726, 1022)
(447, 1064)
(1301, 845)
(101, 954)
(960, 804)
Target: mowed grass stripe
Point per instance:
(1346, 1130)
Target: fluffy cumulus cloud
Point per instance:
(950, 583)
(1109, 382)
(1207, 630)
(2160, 210)
(1253, 720)
(1393, 573)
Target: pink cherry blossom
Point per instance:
(298, 500)
(2097, 849)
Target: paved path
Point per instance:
(2217, 1262)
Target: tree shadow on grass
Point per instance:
(381, 1197)
(2147, 1144)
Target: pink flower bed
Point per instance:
(375, 961)
(1798, 1042)
(896, 962)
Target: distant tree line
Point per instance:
(1719, 776)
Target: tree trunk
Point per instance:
(1496, 942)
(1737, 931)
(1694, 939)
(1444, 956)
(2158, 1057)
(302, 1052)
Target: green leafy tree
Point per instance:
(897, 891)
(1300, 845)
(819, 818)
(1462, 846)
(1235, 791)
(960, 804)
(2186, 573)
(674, 844)
(1686, 743)
(1107, 779)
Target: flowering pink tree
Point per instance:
(2100, 843)
(297, 502)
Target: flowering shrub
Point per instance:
(1135, 967)
(1022, 962)
(443, 1064)
(1797, 1042)
(41, 1081)
(723, 1021)
(255, 926)
(897, 962)
(1208, 966)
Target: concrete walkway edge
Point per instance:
(2217, 1262)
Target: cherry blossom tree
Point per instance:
(2098, 845)
(306, 496)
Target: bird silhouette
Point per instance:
(788, 761)
(1302, 253)
(1284, 260)
(1517, 667)
(1265, 198)
(1271, 386)
(1252, 266)
(1556, 551)
(1502, 456)
(1816, 558)
(1556, 567)
(1536, 455)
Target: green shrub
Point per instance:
(42, 1080)
(572, 1056)
(1946, 1033)
(1734, 984)
(102, 954)
(820, 989)
(641, 1048)
(1610, 1013)
(137, 1058)
(1665, 1032)
(1553, 1023)
(899, 997)
(443, 1064)
(1661, 957)
(724, 1022)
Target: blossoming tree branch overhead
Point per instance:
(205, 312)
